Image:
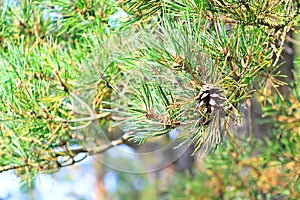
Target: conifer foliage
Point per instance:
(187, 65)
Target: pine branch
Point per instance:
(68, 156)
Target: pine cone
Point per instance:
(210, 98)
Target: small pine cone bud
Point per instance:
(211, 98)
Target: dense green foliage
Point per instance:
(188, 65)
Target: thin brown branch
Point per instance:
(8, 168)
(71, 154)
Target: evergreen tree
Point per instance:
(73, 70)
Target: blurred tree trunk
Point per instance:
(101, 193)
(255, 125)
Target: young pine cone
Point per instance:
(211, 98)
